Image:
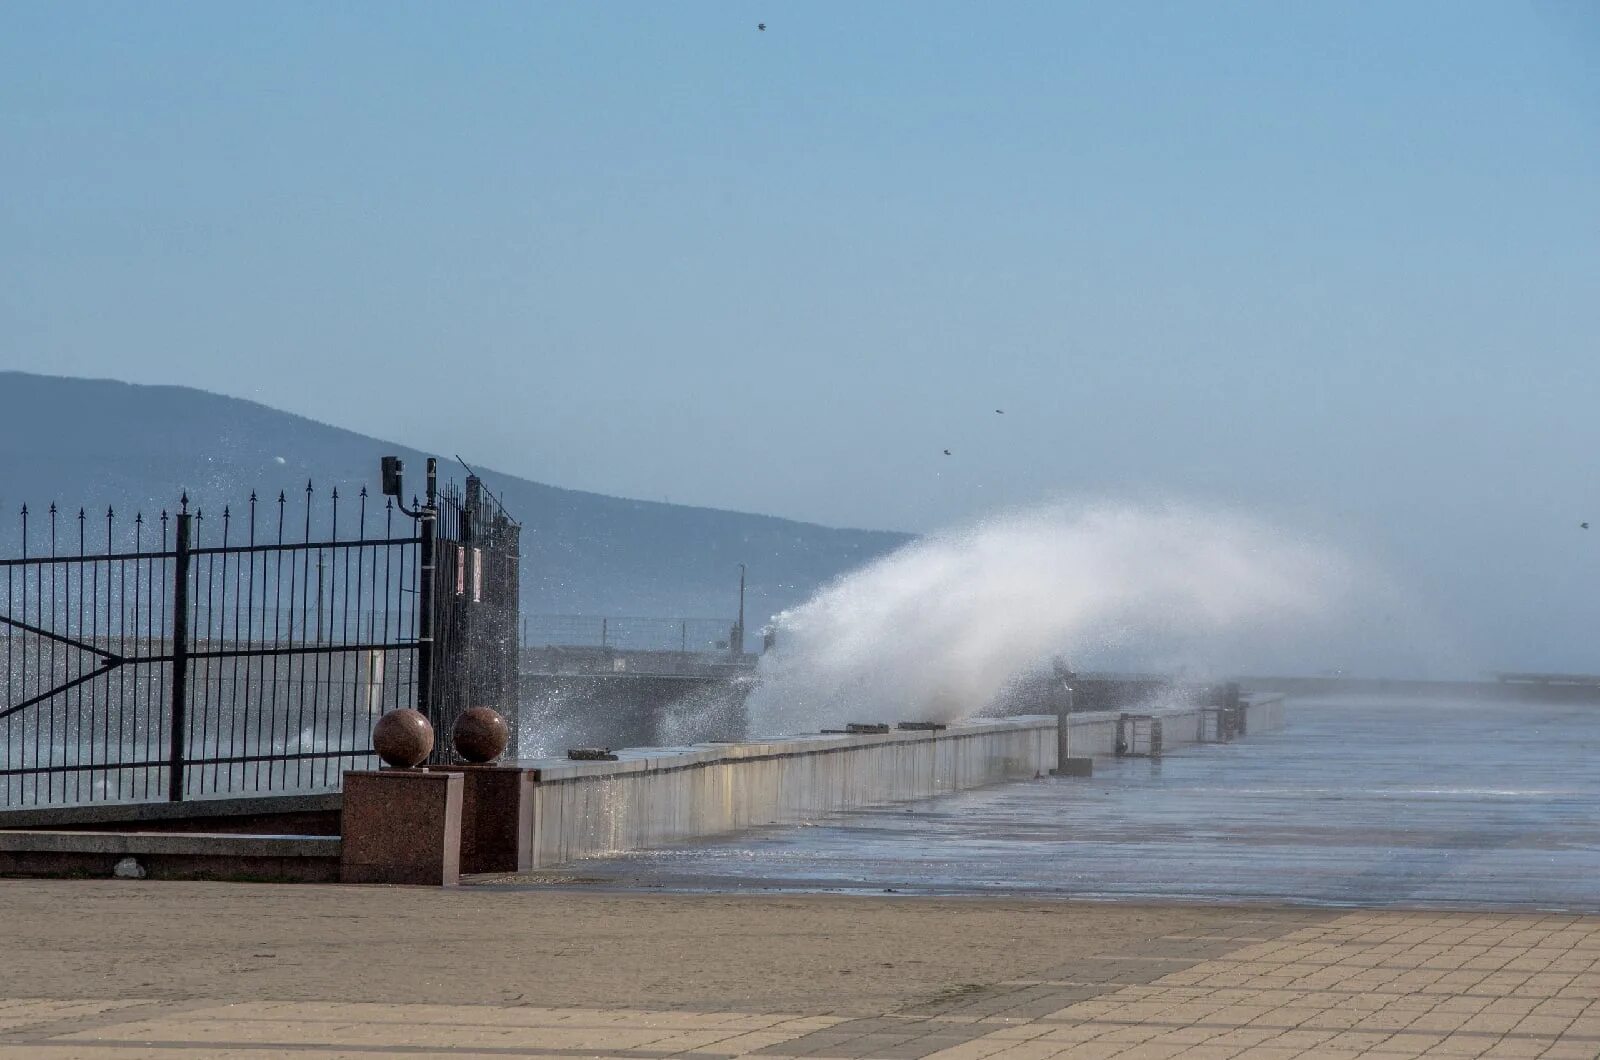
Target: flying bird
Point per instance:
(947, 452)
(1000, 412)
(1583, 526)
(762, 26)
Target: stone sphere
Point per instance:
(480, 735)
(403, 738)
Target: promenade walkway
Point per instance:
(106, 971)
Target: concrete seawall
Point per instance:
(564, 810)
(655, 796)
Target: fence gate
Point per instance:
(1138, 736)
(250, 650)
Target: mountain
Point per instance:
(97, 443)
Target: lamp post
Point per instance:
(427, 518)
(1066, 765)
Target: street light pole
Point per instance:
(1066, 765)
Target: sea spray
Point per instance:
(938, 628)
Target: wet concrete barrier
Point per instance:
(656, 796)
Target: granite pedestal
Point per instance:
(402, 826)
(496, 818)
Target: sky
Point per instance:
(1339, 263)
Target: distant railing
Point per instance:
(628, 633)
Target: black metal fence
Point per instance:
(251, 650)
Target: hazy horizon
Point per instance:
(1333, 267)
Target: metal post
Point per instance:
(428, 531)
(603, 633)
(467, 662)
(1063, 727)
(179, 711)
(738, 641)
(319, 596)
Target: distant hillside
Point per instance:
(94, 442)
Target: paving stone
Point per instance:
(1368, 985)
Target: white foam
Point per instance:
(936, 629)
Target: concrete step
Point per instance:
(170, 855)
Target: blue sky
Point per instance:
(1335, 261)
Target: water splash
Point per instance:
(938, 628)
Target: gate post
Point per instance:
(429, 531)
(179, 711)
(506, 616)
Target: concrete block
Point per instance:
(402, 826)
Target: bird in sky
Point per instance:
(1583, 526)
(762, 26)
(1000, 412)
(947, 452)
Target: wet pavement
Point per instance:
(1354, 803)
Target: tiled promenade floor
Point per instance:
(1248, 985)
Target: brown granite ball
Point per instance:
(480, 735)
(403, 738)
